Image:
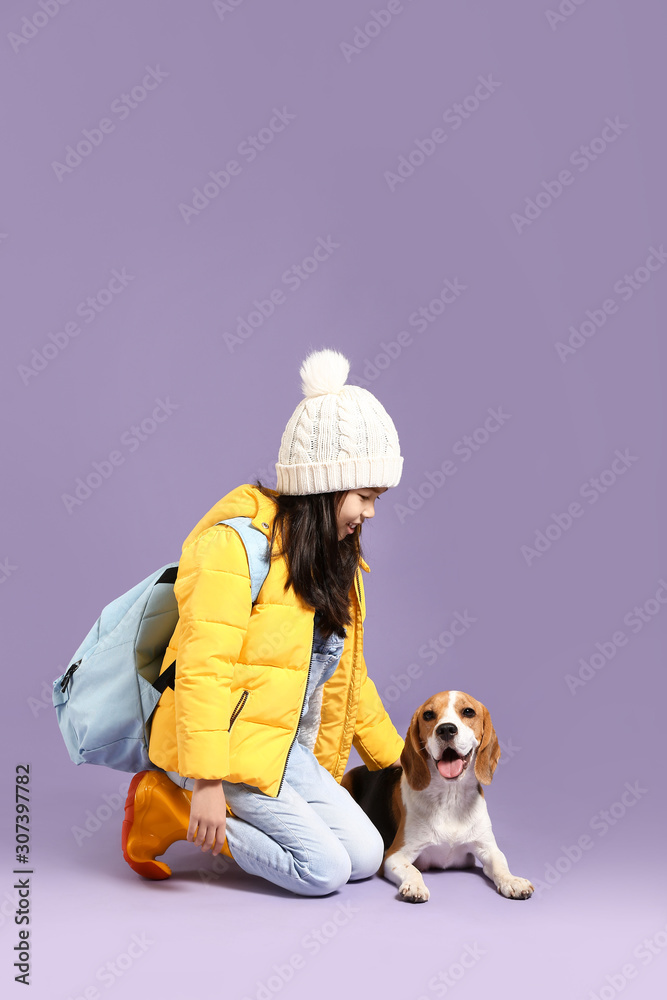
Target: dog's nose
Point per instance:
(447, 730)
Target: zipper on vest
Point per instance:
(239, 705)
(305, 691)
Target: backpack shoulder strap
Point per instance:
(257, 549)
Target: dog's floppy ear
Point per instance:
(413, 757)
(488, 751)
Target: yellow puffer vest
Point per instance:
(242, 669)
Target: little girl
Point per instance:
(269, 698)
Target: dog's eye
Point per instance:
(469, 712)
(428, 715)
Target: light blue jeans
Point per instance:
(310, 839)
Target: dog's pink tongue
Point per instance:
(450, 768)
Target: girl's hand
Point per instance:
(208, 815)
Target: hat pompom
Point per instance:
(323, 372)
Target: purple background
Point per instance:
(568, 754)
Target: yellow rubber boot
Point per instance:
(157, 813)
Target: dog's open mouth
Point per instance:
(452, 764)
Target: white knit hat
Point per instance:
(340, 437)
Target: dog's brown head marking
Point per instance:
(414, 756)
(488, 751)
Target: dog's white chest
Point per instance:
(447, 826)
(449, 847)
(445, 856)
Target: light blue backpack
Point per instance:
(105, 699)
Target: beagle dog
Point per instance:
(431, 812)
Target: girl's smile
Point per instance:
(356, 507)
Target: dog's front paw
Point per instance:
(515, 887)
(413, 892)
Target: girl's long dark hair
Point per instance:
(320, 568)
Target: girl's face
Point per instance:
(355, 508)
